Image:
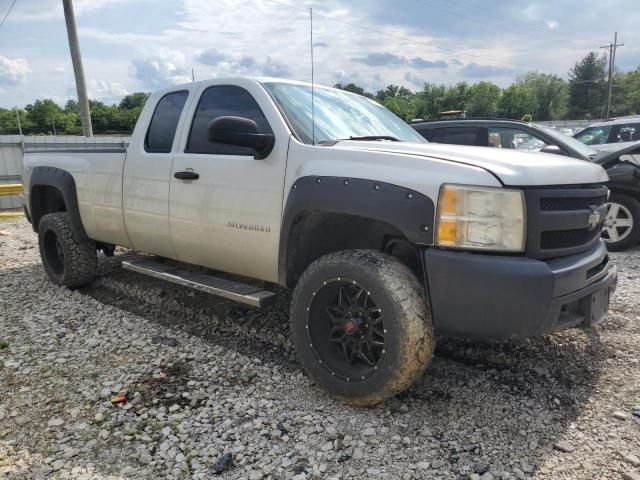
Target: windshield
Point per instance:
(563, 139)
(338, 115)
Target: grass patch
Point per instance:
(4, 345)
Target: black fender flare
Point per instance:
(409, 211)
(62, 181)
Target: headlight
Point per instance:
(481, 218)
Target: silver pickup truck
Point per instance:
(385, 239)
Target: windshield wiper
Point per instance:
(365, 138)
(362, 138)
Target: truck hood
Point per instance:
(510, 166)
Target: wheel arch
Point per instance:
(53, 190)
(630, 189)
(327, 214)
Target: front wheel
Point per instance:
(361, 326)
(622, 223)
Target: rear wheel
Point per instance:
(66, 261)
(622, 223)
(361, 326)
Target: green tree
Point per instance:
(483, 99)
(516, 101)
(429, 100)
(550, 94)
(353, 88)
(133, 101)
(587, 87)
(626, 93)
(46, 117)
(404, 108)
(8, 122)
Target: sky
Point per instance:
(142, 45)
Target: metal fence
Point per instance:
(12, 148)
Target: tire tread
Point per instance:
(408, 295)
(80, 260)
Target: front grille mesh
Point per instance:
(570, 203)
(566, 238)
(558, 219)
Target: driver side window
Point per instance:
(222, 101)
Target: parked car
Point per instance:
(611, 134)
(384, 238)
(503, 133)
(523, 136)
(570, 131)
(622, 223)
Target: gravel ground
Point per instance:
(206, 377)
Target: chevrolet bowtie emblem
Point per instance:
(594, 219)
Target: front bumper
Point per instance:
(479, 295)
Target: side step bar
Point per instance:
(228, 289)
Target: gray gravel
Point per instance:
(204, 377)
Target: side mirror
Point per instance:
(552, 149)
(242, 132)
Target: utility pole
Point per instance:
(612, 63)
(18, 118)
(76, 59)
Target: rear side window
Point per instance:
(222, 101)
(629, 132)
(456, 135)
(164, 122)
(506, 137)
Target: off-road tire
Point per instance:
(633, 206)
(78, 264)
(409, 339)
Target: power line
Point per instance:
(8, 12)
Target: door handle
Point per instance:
(187, 175)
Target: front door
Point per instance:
(228, 218)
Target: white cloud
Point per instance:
(161, 71)
(532, 12)
(264, 37)
(13, 71)
(103, 90)
(47, 9)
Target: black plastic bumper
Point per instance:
(475, 295)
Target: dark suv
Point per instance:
(503, 133)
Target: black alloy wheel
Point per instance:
(346, 329)
(361, 325)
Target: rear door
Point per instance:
(146, 176)
(229, 217)
(628, 132)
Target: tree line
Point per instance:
(46, 117)
(533, 96)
